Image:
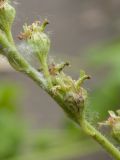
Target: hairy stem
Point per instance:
(92, 132)
(96, 135)
(20, 64)
(46, 73)
(17, 59)
(70, 96)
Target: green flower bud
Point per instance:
(39, 43)
(116, 131)
(7, 15)
(37, 39)
(114, 122)
(116, 126)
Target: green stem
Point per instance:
(91, 131)
(19, 63)
(45, 69)
(9, 36)
(46, 73)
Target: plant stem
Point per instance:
(20, 64)
(46, 73)
(91, 131)
(16, 59)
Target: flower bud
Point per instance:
(114, 122)
(37, 39)
(116, 126)
(7, 15)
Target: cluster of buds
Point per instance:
(73, 95)
(114, 122)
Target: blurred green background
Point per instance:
(86, 33)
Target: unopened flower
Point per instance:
(37, 39)
(7, 15)
(114, 122)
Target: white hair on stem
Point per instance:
(28, 53)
